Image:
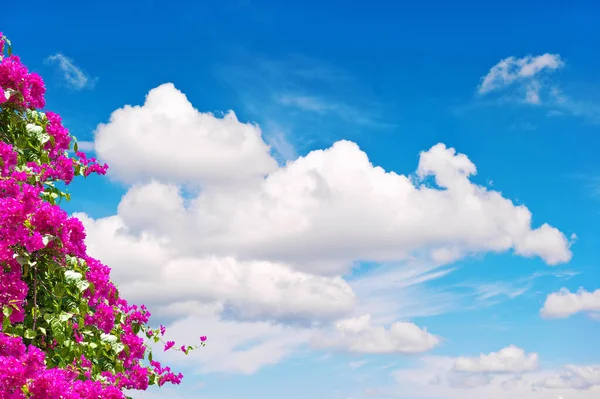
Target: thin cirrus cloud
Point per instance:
(71, 73)
(323, 106)
(289, 93)
(513, 70)
(526, 80)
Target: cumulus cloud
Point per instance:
(564, 303)
(320, 212)
(435, 377)
(72, 74)
(150, 272)
(574, 377)
(513, 69)
(507, 360)
(168, 140)
(360, 335)
(211, 223)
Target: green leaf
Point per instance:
(108, 338)
(7, 311)
(64, 316)
(73, 276)
(34, 129)
(30, 334)
(117, 347)
(22, 259)
(82, 285)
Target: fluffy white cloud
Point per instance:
(512, 69)
(360, 335)
(169, 140)
(434, 377)
(319, 213)
(507, 360)
(574, 377)
(212, 224)
(149, 271)
(564, 303)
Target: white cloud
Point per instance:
(357, 364)
(212, 228)
(507, 360)
(85, 146)
(499, 289)
(307, 103)
(233, 346)
(574, 377)
(320, 212)
(72, 74)
(525, 81)
(149, 271)
(532, 95)
(323, 106)
(299, 91)
(277, 139)
(400, 291)
(434, 377)
(512, 69)
(360, 335)
(564, 303)
(168, 140)
(564, 104)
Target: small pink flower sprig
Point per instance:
(157, 334)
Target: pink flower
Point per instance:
(169, 345)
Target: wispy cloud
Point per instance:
(72, 74)
(526, 80)
(87, 146)
(322, 106)
(307, 103)
(298, 93)
(521, 71)
(564, 104)
(277, 139)
(402, 292)
(357, 364)
(499, 289)
(589, 182)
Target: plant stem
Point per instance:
(34, 296)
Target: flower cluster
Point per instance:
(65, 331)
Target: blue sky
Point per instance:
(381, 267)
